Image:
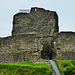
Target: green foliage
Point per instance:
(68, 67)
(25, 68)
(73, 62)
(69, 70)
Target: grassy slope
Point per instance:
(68, 67)
(36, 68)
(26, 68)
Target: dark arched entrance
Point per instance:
(46, 52)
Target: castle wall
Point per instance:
(35, 36)
(24, 47)
(67, 40)
(40, 21)
(18, 42)
(19, 48)
(66, 48)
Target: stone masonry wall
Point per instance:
(40, 21)
(24, 47)
(19, 48)
(18, 42)
(66, 48)
(24, 44)
(35, 36)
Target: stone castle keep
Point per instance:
(35, 36)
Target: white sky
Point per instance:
(64, 8)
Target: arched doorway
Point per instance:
(46, 52)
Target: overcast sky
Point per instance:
(64, 8)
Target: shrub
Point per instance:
(24, 70)
(73, 62)
(67, 67)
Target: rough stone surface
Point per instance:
(66, 48)
(35, 36)
(40, 21)
(19, 48)
(67, 55)
(23, 47)
(18, 42)
(67, 41)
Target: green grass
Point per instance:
(26, 68)
(29, 63)
(36, 68)
(68, 67)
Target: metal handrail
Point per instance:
(24, 10)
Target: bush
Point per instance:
(69, 70)
(73, 62)
(67, 67)
(24, 70)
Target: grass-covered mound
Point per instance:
(26, 68)
(68, 67)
